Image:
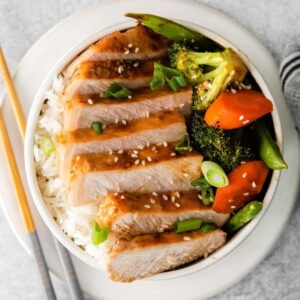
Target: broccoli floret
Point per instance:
(209, 72)
(227, 148)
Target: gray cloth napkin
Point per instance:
(290, 77)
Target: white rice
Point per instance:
(75, 222)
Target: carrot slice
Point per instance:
(245, 183)
(230, 111)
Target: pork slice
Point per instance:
(166, 126)
(131, 258)
(82, 110)
(138, 214)
(93, 175)
(96, 77)
(133, 44)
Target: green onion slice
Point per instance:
(207, 227)
(97, 126)
(118, 91)
(46, 145)
(207, 192)
(99, 235)
(188, 225)
(184, 144)
(163, 75)
(214, 174)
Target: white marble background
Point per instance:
(274, 22)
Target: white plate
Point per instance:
(56, 43)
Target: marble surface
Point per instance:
(274, 22)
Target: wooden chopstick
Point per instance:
(64, 256)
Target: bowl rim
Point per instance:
(239, 237)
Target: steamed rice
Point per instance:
(75, 222)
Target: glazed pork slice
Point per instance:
(166, 126)
(96, 77)
(152, 169)
(131, 258)
(133, 44)
(139, 214)
(81, 111)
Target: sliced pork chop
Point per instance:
(134, 44)
(166, 126)
(81, 111)
(131, 258)
(96, 77)
(138, 214)
(148, 170)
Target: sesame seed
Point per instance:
(141, 147)
(116, 194)
(173, 199)
(246, 194)
(241, 117)
(233, 206)
(116, 158)
(177, 204)
(149, 158)
(165, 197)
(130, 45)
(143, 162)
(135, 152)
(123, 197)
(181, 105)
(247, 121)
(116, 120)
(120, 69)
(137, 49)
(77, 157)
(153, 148)
(185, 175)
(186, 238)
(152, 200)
(124, 122)
(165, 144)
(173, 154)
(120, 151)
(154, 193)
(177, 194)
(134, 155)
(244, 175)
(137, 162)
(129, 97)
(90, 101)
(148, 144)
(136, 64)
(253, 184)
(199, 196)
(110, 152)
(233, 91)
(147, 206)
(126, 52)
(243, 162)
(147, 114)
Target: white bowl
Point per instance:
(30, 167)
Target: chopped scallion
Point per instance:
(188, 225)
(207, 193)
(214, 174)
(46, 145)
(99, 235)
(207, 227)
(184, 144)
(118, 91)
(163, 75)
(97, 126)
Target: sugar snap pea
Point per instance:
(269, 151)
(172, 30)
(243, 216)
